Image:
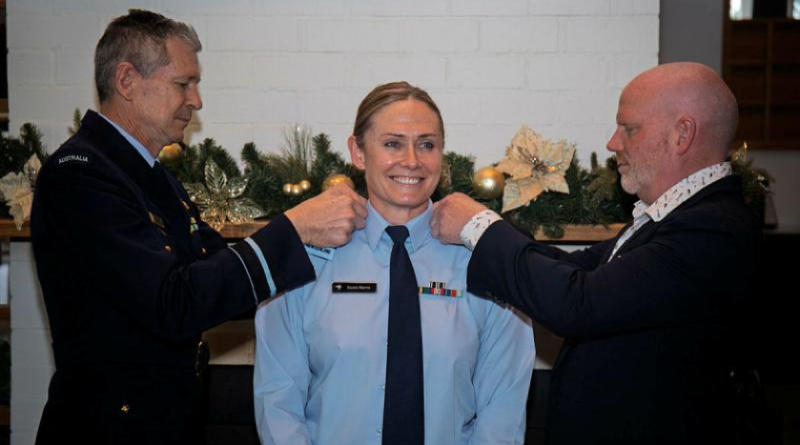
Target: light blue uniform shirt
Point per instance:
(321, 356)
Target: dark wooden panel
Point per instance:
(751, 123)
(748, 83)
(786, 42)
(785, 123)
(785, 85)
(748, 41)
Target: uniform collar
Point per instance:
(151, 161)
(419, 228)
(681, 192)
(112, 143)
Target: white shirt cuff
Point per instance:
(474, 229)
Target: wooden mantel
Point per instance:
(572, 233)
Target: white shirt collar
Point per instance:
(681, 192)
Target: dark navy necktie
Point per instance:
(403, 409)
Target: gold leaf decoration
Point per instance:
(536, 165)
(17, 190)
(220, 199)
(740, 154)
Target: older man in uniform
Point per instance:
(647, 316)
(131, 275)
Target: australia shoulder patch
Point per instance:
(73, 159)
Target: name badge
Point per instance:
(354, 288)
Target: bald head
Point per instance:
(695, 91)
(672, 121)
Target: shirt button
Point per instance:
(168, 248)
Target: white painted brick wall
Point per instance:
(555, 65)
(267, 62)
(520, 35)
(483, 8)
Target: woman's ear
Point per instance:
(357, 154)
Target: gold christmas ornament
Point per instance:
(488, 183)
(296, 190)
(287, 189)
(536, 165)
(305, 185)
(336, 179)
(171, 154)
(17, 190)
(220, 200)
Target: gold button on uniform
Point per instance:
(204, 250)
(125, 408)
(168, 248)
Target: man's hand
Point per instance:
(328, 219)
(451, 214)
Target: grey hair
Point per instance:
(139, 38)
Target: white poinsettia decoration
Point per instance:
(536, 165)
(17, 190)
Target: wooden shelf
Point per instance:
(9, 230)
(573, 233)
(3, 110)
(582, 234)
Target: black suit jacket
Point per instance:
(129, 287)
(649, 335)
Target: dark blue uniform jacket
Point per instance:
(129, 287)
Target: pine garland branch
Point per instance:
(596, 196)
(76, 122)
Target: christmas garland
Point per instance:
(272, 183)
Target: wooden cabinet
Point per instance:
(761, 64)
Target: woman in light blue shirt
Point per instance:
(321, 355)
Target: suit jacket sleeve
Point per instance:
(674, 278)
(131, 261)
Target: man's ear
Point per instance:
(687, 130)
(125, 80)
(356, 153)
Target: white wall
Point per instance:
(492, 66)
(555, 65)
